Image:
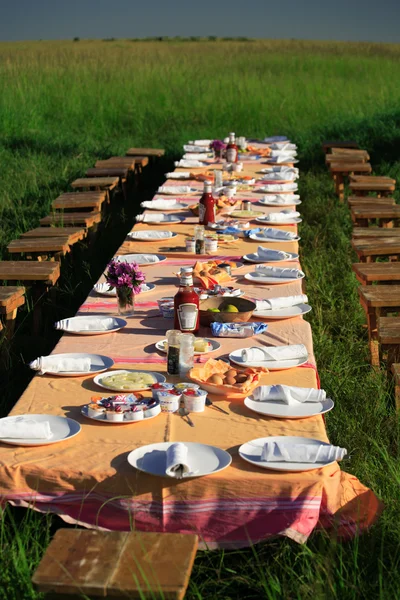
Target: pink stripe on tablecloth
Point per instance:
(102, 304)
(190, 261)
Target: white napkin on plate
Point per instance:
(301, 453)
(288, 147)
(284, 273)
(172, 190)
(279, 234)
(189, 164)
(87, 324)
(268, 254)
(200, 142)
(144, 287)
(279, 187)
(281, 152)
(288, 394)
(195, 148)
(178, 175)
(285, 157)
(161, 203)
(55, 364)
(25, 428)
(282, 302)
(195, 156)
(155, 218)
(284, 215)
(276, 138)
(177, 461)
(148, 259)
(281, 176)
(280, 199)
(277, 353)
(150, 234)
(280, 169)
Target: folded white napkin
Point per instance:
(144, 287)
(161, 203)
(280, 199)
(288, 394)
(25, 428)
(284, 273)
(306, 453)
(279, 217)
(280, 169)
(282, 302)
(172, 190)
(189, 164)
(275, 138)
(154, 218)
(288, 147)
(177, 461)
(279, 187)
(279, 234)
(258, 354)
(147, 259)
(281, 176)
(150, 234)
(195, 148)
(268, 254)
(195, 156)
(55, 364)
(178, 175)
(285, 157)
(200, 142)
(280, 152)
(87, 324)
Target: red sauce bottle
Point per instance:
(232, 153)
(207, 205)
(186, 304)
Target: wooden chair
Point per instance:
(377, 301)
(368, 250)
(107, 184)
(340, 170)
(86, 220)
(378, 272)
(149, 152)
(362, 216)
(375, 232)
(75, 234)
(52, 248)
(328, 145)
(396, 374)
(114, 564)
(371, 201)
(75, 201)
(389, 340)
(11, 298)
(368, 184)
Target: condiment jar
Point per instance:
(186, 353)
(173, 352)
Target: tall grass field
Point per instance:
(63, 105)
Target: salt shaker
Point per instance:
(186, 353)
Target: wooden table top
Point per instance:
(350, 167)
(74, 233)
(389, 330)
(29, 271)
(145, 152)
(374, 232)
(36, 245)
(380, 295)
(388, 271)
(86, 182)
(66, 219)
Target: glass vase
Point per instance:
(126, 302)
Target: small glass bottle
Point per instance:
(173, 352)
(218, 178)
(207, 205)
(232, 154)
(199, 239)
(186, 303)
(186, 353)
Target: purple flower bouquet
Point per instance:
(127, 280)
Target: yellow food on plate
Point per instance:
(129, 381)
(201, 345)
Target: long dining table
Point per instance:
(88, 480)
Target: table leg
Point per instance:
(372, 319)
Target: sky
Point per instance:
(346, 20)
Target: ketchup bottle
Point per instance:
(186, 303)
(207, 205)
(232, 153)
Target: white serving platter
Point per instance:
(295, 201)
(271, 365)
(214, 346)
(62, 428)
(261, 238)
(280, 410)
(161, 219)
(98, 379)
(203, 459)
(84, 411)
(283, 313)
(251, 452)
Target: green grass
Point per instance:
(63, 105)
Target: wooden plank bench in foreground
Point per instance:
(368, 250)
(149, 152)
(378, 272)
(340, 170)
(107, 184)
(113, 564)
(121, 172)
(374, 232)
(328, 145)
(357, 156)
(366, 186)
(11, 298)
(41, 248)
(78, 219)
(384, 215)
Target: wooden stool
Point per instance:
(41, 248)
(366, 186)
(368, 250)
(92, 201)
(114, 564)
(148, 152)
(371, 201)
(375, 232)
(122, 162)
(11, 297)
(340, 170)
(75, 234)
(389, 339)
(86, 220)
(379, 272)
(384, 215)
(96, 183)
(328, 145)
(377, 301)
(396, 375)
(372, 179)
(362, 157)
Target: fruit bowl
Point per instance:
(244, 311)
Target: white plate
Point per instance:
(173, 192)
(260, 238)
(215, 346)
(251, 452)
(84, 411)
(98, 364)
(272, 223)
(162, 219)
(265, 202)
(254, 258)
(272, 365)
(290, 161)
(177, 206)
(139, 235)
(202, 458)
(97, 380)
(280, 410)
(121, 323)
(271, 280)
(130, 258)
(99, 288)
(62, 429)
(283, 313)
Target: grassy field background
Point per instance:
(65, 104)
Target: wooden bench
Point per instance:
(360, 157)
(75, 234)
(80, 200)
(114, 564)
(121, 172)
(371, 201)
(41, 248)
(396, 375)
(389, 339)
(11, 298)
(62, 219)
(362, 216)
(368, 250)
(377, 301)
(133, 165)
(328, 145)
(148, 152)
(108, 184)
(340, 170)
(374, 232)
(378, 272)
(366, 186)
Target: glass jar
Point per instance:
(126, 301)
(186, 353)
(173, 351)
